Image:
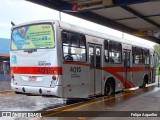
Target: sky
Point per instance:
(21, 11)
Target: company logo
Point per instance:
(43, 63)
(23, 114)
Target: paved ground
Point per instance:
(18, 102)
(10, 102)
(134, 102)
(139, 100)
(5, 86)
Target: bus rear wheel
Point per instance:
(109, 89)
(143, 85)
(145, 82)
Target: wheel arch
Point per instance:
(146, 78)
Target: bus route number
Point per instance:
(45, 70)
(75, 69)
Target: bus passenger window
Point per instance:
(68, 56)
(106, 51)
(65, 38)
(146, 56)
(74, 46)
(82, 40)
(137, 55)
(74, 41)
(111, 60)
(115, 52)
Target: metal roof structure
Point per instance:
(137, 17)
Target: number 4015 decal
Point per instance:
(75, 69)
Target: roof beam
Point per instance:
(148, 16)
(103, 21)
(128, 2)
(105, 4)
(140, 16)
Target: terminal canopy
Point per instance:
(137, 17)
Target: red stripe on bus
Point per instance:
(126, 83)
(37, 70)
(114, 70)
(138, 69)
(122, 69)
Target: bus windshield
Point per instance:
(36, 36)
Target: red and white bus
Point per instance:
(60, 59)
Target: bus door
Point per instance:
(95, 56)
(127, 65)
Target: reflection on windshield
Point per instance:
(32, 37)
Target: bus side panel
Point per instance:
(74, 77)
(75, 80)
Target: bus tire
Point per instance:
(109, 89)
(145, 82)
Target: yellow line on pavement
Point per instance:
(87, 104)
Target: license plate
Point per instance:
(32, 78)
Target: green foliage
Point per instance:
(157, 50)
(157, 70)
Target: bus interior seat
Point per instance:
(68, 58)
(111, 60)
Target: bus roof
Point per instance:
(86, 31)
(99, 34)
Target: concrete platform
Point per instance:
(123, 106)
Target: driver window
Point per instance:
(74, 46)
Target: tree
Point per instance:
(157, 50)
